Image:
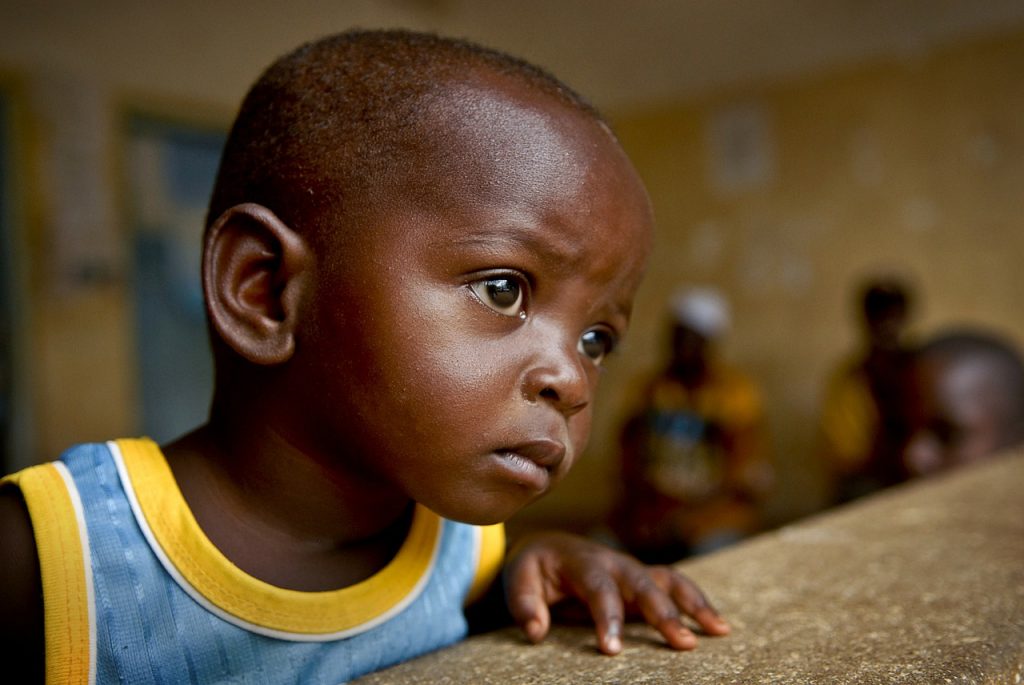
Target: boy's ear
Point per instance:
(255, 272)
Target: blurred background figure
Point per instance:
(863, 418)
(693, 457)
(966, 400)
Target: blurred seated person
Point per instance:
(966, 400)
(863, 420)
(694, 464)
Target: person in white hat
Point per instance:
(695, 467)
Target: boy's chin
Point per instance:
(485, 514)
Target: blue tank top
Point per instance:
(134, 592)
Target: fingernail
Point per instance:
(612, 641)
(533, 629)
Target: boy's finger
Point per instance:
(604, 598)
(526, 600)
(692, 602)
(659, 609)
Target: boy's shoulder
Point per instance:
(21, 606)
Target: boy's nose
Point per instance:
(557, 376)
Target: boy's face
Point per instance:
(453, 347)
(954, 414)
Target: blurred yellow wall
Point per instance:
(914, 167)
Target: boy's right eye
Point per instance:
(503, 294)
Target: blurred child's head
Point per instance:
(967, 400)
(418, 254)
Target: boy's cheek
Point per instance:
(579, 434)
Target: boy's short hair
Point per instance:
(338, 117)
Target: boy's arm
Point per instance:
(21, 595)
(546, 568)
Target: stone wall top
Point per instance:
(923, 583)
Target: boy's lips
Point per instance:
(544, 452)
(531, 463)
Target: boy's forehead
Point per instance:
(492, 137)
(494, 159)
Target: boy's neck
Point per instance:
(281, 515)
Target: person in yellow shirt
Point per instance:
(863, 423)
(694, 459)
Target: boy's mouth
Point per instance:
(532, 463)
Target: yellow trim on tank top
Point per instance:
(489, 561)
(62, 570)
(234, 591)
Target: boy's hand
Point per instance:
(549, 567)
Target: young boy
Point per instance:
(966, 400)
(418, 254)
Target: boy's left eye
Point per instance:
(596, 344)
(501, 293)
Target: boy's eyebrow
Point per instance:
(563, 251)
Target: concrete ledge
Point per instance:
(920, 584)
